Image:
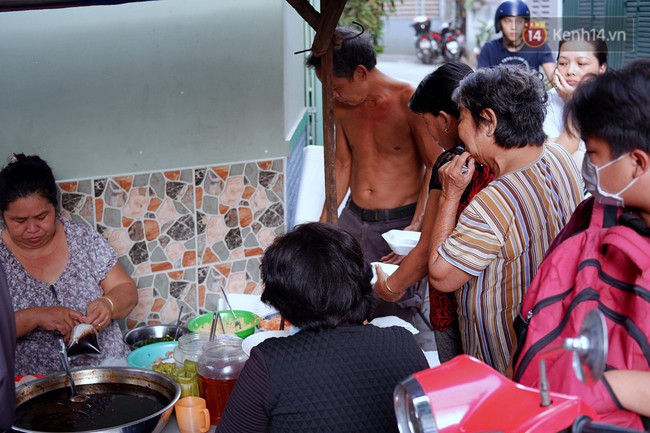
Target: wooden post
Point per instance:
(331, 208)
(325, 24)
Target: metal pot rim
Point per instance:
(85, 376)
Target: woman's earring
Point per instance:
(489, 133)
(447, 129)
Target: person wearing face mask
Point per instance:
(601, 257)
(582, 53)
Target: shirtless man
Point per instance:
(383, 155)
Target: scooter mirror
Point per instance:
(589, 348)
(589, 353)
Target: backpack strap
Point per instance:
(603, 216)
(610, 216)
(625, 232)
(634, 222)
(635, 246)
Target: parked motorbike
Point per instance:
(426, 46)
(465, 395)
(431, 45)
(449, 42)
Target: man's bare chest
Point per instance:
(376, 123)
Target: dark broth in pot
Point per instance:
(109, 405)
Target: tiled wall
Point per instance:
(184, 234)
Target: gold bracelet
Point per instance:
(388, 288)
(110, 302)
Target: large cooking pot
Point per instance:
(132, 380)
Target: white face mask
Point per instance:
(592, 182)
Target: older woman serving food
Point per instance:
(60, 273)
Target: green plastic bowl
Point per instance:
(201, 324)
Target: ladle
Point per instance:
(74, 397)
(237, 322)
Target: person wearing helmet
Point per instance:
(510, 19)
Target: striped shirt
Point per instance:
(500, 239)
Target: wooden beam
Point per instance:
(331, 11)
(323, 46)
(307, 12)
(331, 208)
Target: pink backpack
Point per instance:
(607, 267)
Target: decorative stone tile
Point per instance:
(76, 201)
(240, 210)
(242, 276)
(161, 296)
(149, 218)
(184, 234)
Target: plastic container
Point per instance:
(188, 381)
(219, 366)
(190, 347)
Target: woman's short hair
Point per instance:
(614, 107)
(433, 94)
(24, 176)
(317, 277)
(592, 37)
(356, 49)
(517, 96)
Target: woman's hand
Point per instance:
(53, 318)
(381, 287)
(456, 175)
(99, 313)
(563, 89)
(120, 296)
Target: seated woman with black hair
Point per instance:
(60, 273)
(336, 374)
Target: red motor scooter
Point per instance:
(431, 45)
(426, 46)
(465, 395)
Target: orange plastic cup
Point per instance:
(192, 415)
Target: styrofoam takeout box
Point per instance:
(401, 241)
(386, 267)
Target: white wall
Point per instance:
(294, 69)
(169, 83)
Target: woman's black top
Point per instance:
(338, 380)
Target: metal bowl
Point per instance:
(137, 337)
(146, 380)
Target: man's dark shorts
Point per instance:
(367, 226)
